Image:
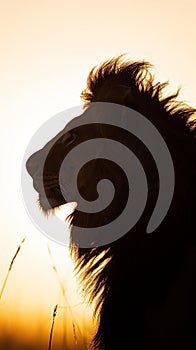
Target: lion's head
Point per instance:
(124, 83)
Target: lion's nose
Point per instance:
(33, 164)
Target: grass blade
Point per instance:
(10, 267)
(52, 326)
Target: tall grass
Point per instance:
(10, 268)
(52, 327)
(79, 340)
(75, 326)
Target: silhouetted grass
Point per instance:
(13, 341)
(52, 327)
(74, 323)
(10, 267)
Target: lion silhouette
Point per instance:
(144, 285)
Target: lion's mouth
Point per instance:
(49, 197)
(48, 204)
(51, 194)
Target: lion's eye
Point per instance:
(68, 138)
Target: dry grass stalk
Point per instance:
(74, 323)
(74, 333)
(10, 267)
(57, 274)
(52, 326)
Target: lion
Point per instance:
(143, 284)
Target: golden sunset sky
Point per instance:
(47, 50)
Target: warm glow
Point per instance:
(47, 49)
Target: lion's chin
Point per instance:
(48, 205)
